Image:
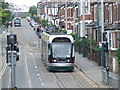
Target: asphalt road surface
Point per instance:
(31, 71)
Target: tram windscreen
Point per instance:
(61, 49)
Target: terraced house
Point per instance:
(68, 14)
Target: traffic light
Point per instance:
(12, 45)
(11, 39)
(106, 47)
(104, 36)
(17, 56)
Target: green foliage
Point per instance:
(76, 40)
(33, 10)
(72, 34)
(4, 5)
(117, 54)
(56, 29)
(44, 23)
(5, 15)
(87, 41)
(64, 31)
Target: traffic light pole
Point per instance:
(13, 69)
(12, 57)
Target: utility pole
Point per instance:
(74, 25)
(98, 34)
(54, 15)
(83, 32)
(79, 46)
(105, 58)
(60, 16)
(66, 15)
(102, 28)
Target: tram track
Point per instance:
(58, 80)
(77, 82)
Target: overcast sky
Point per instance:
(23, 3)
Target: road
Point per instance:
(31, 71)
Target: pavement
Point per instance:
(3, 42)
(1, 52)
(90, 68)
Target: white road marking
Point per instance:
(35, 66)
(3, 70)
(9, 83)
(42, 84)
(27, 73)
(40, 79)
(36, 70)
(38, 74)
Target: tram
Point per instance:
(57, 51)
(17, 21)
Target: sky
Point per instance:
(24, 4)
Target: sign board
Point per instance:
(69, 31)
(100, 44)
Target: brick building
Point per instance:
(58, 13)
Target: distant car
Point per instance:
(17, 21)
(28, 19)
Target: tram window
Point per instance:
(61, 49)
(49, 50)
(73, 52)
(61, 40)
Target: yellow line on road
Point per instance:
(3, 70)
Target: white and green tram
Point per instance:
(58, 51)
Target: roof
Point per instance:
(55, 33)
(50, 36)
(94, 25)
(115, 26)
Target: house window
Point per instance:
(99, 13)
(87, 6)
(95, 12)
(110, 14)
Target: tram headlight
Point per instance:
(68, 60)
(54, 61)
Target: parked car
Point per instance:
(36, 27)
(28, 19)
(32, 23)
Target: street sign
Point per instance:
(100, 44)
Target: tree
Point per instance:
(33, 10)
(5, 5)
(118, 53)
(5, 15)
